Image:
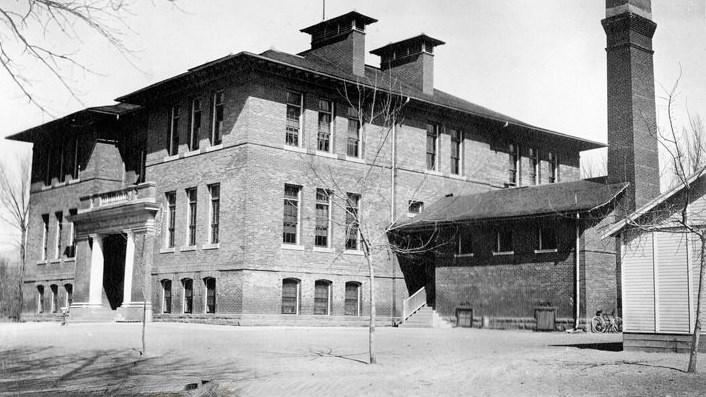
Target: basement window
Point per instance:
(166, 296)
(290, 296)
(210, 294)
(414, 208)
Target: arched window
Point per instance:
(166, 296)
(210, 283)
(188, 285)
(322, 297)
(54, 298)
(352, 305)
(40, 299)
(69, 294)
(290, 296)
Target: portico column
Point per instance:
(129, 264)
(95, 295)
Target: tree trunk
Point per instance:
(697, 326)
(21, 275)
(371, 328)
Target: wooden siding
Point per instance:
(672, 282)
(638, 284)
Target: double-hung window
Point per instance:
(290, 219)
(75, 167)
(215, 194)
(173, 138)
(166, 296)
(533, 167)
(352, 221)
(294, 118)
(503, 242)
(191, 232)
(323, 141)
(546, 239)
(353, 149)
(432, 146)
(513, 165)
(553, 167)
(45, 236)
(48, 170)
(188, 287)
(62, 163)
(69, 289)
(210, 283)
(352, 303)
(290, 296)
(217, 118)
(71, 248)
(171, 217)
(54, 290)
(40, 299)
(322, 297)
(195, 130)
(59, 228)
(456, 152)
(323, 218)
(465, 242)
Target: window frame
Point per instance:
(541, 246)
(414, 208)
(296, 297)
(533, 155)
(72, 235)
(45, 237)
(191, 215)
(173, 136)
(464, 235)
(195, 122)
(54, 291)
(187, 298)
(323, 137)
(59, 219)
(514, 169)
(319, 310)
(353, 140)
(40, 299)
(69, 297)
(358, 299)
(75, 170)
(170, 225)
(499, 248)
(288, 200)
(167, 296)
(353, 221)
(210, 308)
(553, 160)
(217, 117)
(432, 158)
(294, 138)
(214, 215)
(456, 166)
(323, 201)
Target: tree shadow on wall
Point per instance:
(36, 371)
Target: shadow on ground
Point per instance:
(105, 372)
(607, 347)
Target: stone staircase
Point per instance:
(426, 317)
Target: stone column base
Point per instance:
(133, 311)
(90, 312)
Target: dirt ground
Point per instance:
(195, 359)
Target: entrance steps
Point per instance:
(92, 315)
(426, 317)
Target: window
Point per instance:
(191, 232)
(215, 193)
(40, 299)
(323, 218)
(504, 241)
(533, 167)
(353, 149)
(546, 239)
(59, 216)
(62, 163)
(352, 303)
(173, 138)
(166, 296)
(513, 165)
(45, 236)
(290, 219)
(48, 170)
(323, 141)
(322, 297)
(217, 118)
(415, 207)
(456, 152)
(142, 177)
(195, 130)
(432, 146)
(210, 294)
(464, 245)
(294, 119)
(553, 167)
(71, 248)
(69, 294)
(290, 296)
(54, 290)
(171, 217)
(188, 286)
(76, 167)
(352, 210)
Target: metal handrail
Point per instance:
(415, 302)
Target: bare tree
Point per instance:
(25, 26)
(14, 198)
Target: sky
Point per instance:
(542, 62)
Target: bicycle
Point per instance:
(602, 323)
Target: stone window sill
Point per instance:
(214, 147)
(167, 250)
(503, 253)
(463, 255)
(355, 159)
(41, 262)
(293, 247)
(545, 251)
(58, 260)
(326, 154)
(297, 149)
(322, 249)
(210, 246)
(188, 248)
(171, 158)
(353, 252)
(432, 172)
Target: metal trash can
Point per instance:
(546, 318)
(464, 317)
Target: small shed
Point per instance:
(659, 261)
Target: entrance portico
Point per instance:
(115, 237)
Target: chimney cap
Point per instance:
(429, 42)
(350, 16)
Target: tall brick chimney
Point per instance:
(632, 143)
(411, 61)
(340, 41)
